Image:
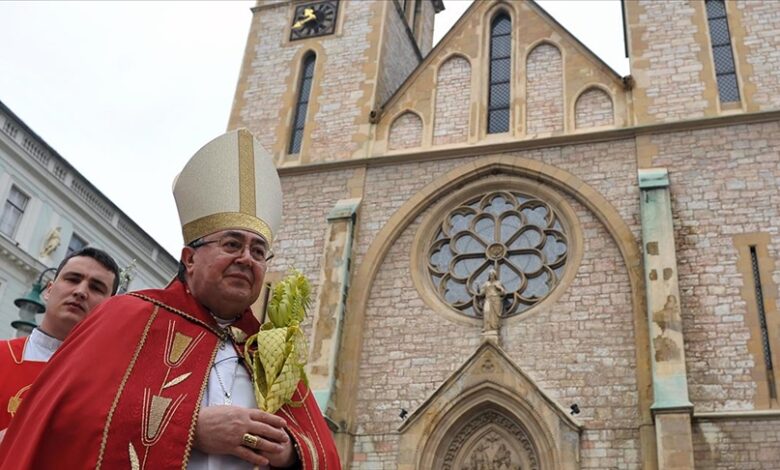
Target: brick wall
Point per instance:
(580, 350)
(406, 132)
(592, 361)
(610, 449)
(723, 183)
(398, 57)
(307, 201)
(544, 90)
(426, 26)
(593, 109)
(269, 78)
(339, 102)
(390, 189)
(453, 92)
(375, 452)
(746, 444)
(340, 116)
(761, 22)
(666, 44)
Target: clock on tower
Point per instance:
(314, 19)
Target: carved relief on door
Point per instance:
(489, 441)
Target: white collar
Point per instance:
(40, 346)
(222, 323)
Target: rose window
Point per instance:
(518, 235)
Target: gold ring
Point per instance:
(250, 440)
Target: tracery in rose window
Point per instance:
(518, 234)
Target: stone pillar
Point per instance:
(675, 444)
(330, 302)
(671, 407)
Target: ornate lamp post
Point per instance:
(29, 306)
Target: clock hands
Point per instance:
(308, 16)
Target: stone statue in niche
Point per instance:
(493, 307)
(51, 243)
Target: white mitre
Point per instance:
(230, 183)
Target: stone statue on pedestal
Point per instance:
(493, 306)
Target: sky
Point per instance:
(127, 92)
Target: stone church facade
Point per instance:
(631, 222)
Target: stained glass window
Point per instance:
(518, 235)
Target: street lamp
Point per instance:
(29, 306)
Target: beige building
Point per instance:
(631, 224)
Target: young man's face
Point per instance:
(79, 287)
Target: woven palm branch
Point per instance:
(277, 353)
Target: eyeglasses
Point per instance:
(235, 246)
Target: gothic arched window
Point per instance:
(304, 90)
(518, 234)
(722, 54)
(500, 74)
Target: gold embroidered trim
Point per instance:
(157, 414)
(289, 416)
(295, 437)
(191, 435)
(135, 464)
(16, 400)
(176, 380)
(297, 448)
(223, 221)
(122, 386)
(178, 346)
(316, 434)
(315, 458)
(306, 440)
(246, 173)
(11, 350)
(221, 334)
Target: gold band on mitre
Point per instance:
(230, 183)
(225, 221)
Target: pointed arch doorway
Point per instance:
(489, 415)
(488, 439)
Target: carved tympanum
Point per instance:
(490, 441)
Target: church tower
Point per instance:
(315, 72)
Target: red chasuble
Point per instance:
(16, 377)
(124, 391)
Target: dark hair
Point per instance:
(98, 255)
(182, 273)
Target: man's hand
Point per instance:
(220, 430)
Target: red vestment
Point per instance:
(124, 391)
(16, 377)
